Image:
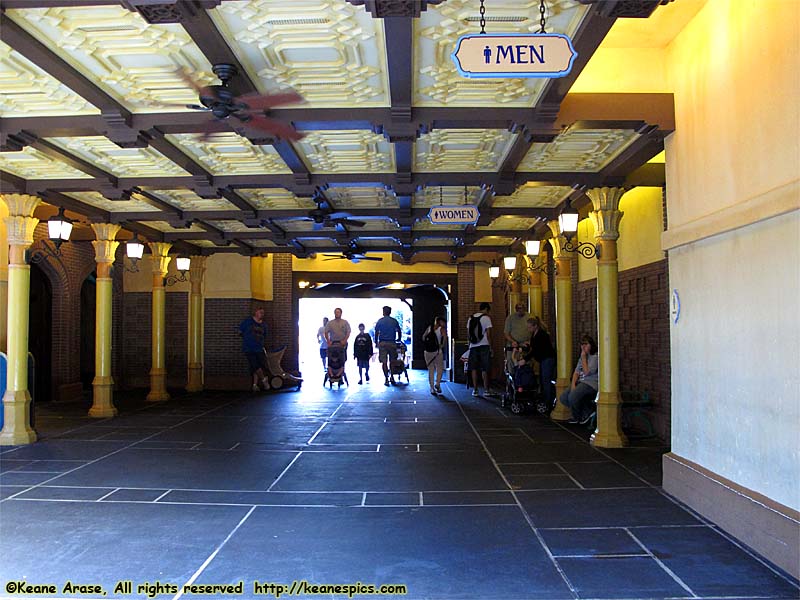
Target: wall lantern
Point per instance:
(494, 271)
(59, 228)
(568, 226)
(134, 250)
(182, 263)
(510, 262)
(532, 247)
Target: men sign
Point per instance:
(463, 214)
(514, 55)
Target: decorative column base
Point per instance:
(158, 386)
(561, 412)
(17, 419)
(103, 398)
(195, 383)
(608, 433)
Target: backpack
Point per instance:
(475, 329)
(430, 343)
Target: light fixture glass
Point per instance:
(532, 247)
(510, 262)
(494, 272)
(568, 221)
(182, 263)
(396, 286)
(302, 284)
(59, 227)
(134, 249)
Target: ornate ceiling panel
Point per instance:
(317, 242)
(188, 200)
(345, 198)
(120, 162)
(27, 91)
(353, 151)
(438, 242)
(379, 224)
(425, 225)
(29, 163)
(297, 225)
(135, 63)
(136, 204)
(462, 150)
(434, 196)
(329, 51)
(437, 82)
(262, 243)
(229, 154)
(274, 198)
(376, 242)
(510, 223)
(165, 227)
(494, 240)
(231, 226)
(582, 150)
(534, 197)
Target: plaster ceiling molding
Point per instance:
(462, 150)
(494, 240)
(231, 226)
(584, 150)
(526, 196)
(230, 154)
(29, 163)
(96, 199)
(426, 225)
(437, 242)
(28, 91)
(189, 200)
(260, 243)
(120, 162)
(376, 242)
(134, 62)
(377, 224)
(331, 53)
(295, 225)
(317, 242)
(450, 195)
(506, 222)
(438, 83)
(206, 244)
(274, 198)
(345, 198)
(354, 151)
(165, 227)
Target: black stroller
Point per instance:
(336, 359)
(522, 388)
(399, 366)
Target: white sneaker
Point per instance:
(256, 388)
(476, 393)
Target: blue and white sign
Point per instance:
(463, 214)
(514, 55)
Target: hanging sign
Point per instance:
(461, 214)
(514, 55)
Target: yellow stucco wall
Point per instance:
(483, 283)
(261, 277)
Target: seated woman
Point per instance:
(580, 397)
(540, 349)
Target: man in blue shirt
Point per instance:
(254, 331)
(387, 334)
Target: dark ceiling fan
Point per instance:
(249, 109)
(324, 216)
(353, 254)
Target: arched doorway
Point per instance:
(88, 308)
(40, 333)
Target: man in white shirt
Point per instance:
(479, 329)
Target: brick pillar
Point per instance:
(465, 299)
(284, 310)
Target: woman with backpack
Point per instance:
(433, 340)
(362, 352)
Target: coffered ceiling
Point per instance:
(93, 118)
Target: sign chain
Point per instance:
(483, 18)
(541, 13)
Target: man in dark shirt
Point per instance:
(254, 332)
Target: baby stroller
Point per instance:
(522, 388)
(276, 376)
(399, 365)
(336, 374)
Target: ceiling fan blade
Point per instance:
(370, 258)
(264, 101)
(335, 255)
(318, 226)
(272, 126)
(353, 222)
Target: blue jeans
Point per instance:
(547, 372)
(580, 400)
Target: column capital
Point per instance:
(197, 267)
(159, 255)
(606, 214)
(105, 246)
(558, 241)
(21, 205)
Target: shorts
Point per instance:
(363, 363)
(256, 361)
(387, 349)
(323, 353)
(479, 358)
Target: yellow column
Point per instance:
(605, 218)
(565, 362)
(105, 248)
(3, 278)
(158, 372)
(515, 294)
(195, 377)
(535, 289)
(17, 400)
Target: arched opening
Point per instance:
(40, 333)
(88, 307)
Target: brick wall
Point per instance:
(225, 366)
(177, 334)
(281, 314)
(136, 354)
(66, 274)
(644, 348)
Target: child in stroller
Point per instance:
(522, 387)
(399, 365)
(336, 358)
